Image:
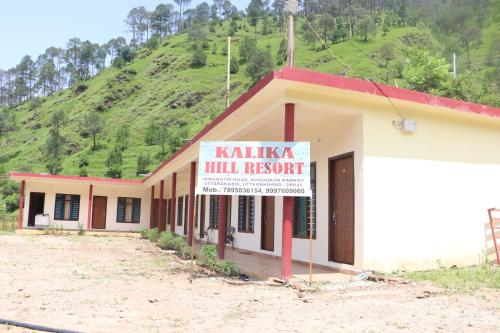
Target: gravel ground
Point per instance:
(115, 284)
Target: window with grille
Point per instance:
(180, 210)
(67, 207)
(128, 210)
(302, 211)
(246, 213)
(213, 218)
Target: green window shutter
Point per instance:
(120, 210)
(251, 213)
(136, 210)
(59, 207)
(75, 207)
(242, 210)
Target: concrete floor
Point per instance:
(264, 266)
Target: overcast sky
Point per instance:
(30, 26)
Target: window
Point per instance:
(128, 210)
(186, 213)
(169, 202)
(196, 211)
(67, 207)
(213, 217)
(302, 212)
(180, 210)
(246, 213)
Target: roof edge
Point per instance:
(80, 178)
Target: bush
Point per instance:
(234, 67)
(208, 256)
(144, 233)
(227, 268)
(118, 62)
(199, 58)
(153, 235)
(153, 43)
(185, 250)
(166, 240)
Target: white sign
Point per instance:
(254, 168)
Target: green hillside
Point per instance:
(160, 89)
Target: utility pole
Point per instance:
(228, 85)
(454, 65)
(292, 10)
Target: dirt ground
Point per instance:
(112, 284)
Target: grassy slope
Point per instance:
(163, 78)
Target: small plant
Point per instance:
(144, 233)
(185, 251)
(153, 235)
(208, 256)
(227, 268)
(166, 240)
(81, 231)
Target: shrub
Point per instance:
(144, 233)
(153, 235)
(227, 268)
(118, 62)
(166, 240)
(208, 256)
(81, 231)
(185, 250)
(199, 58)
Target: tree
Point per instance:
(160, 19)
(247, 48)
(163, 137)
(199, 58)
(387, 53)
(281, 55)
(260, 64)
(254, 12)
(427, 73)
(364, 28)
(53, 149)
(182, 5)
(234, 67)
(93, 124)
(114, 162)
(122, 136)
(143, 161)
(327, 25)
(150, 136)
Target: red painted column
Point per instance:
(286, 235)
(172, 202)
(89, 209)
(21, 205)
(152, 208)
(192, 180)
(160, 207)
(221, 240)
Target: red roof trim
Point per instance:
(89, 179)
(362, 86)
(233, 107)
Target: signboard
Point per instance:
(254, 168)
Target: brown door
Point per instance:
(202, 216)
(99, 205)
(37, 202)
(267, 223)
(341, 212)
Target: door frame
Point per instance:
(105, 211)
(331, 160)
(30, 207)
(262, 224)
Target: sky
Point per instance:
(28, 27)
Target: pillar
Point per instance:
(152, 208)
(160, 208)
(172, 202)
(89, 209)
(221, 240)
(286, 240)
(192, 201)
(21, 205)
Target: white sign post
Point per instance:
(254, 168)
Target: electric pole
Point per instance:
(292, 10)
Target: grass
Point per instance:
(7, 224)
(460, 279)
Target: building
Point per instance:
(402, 179)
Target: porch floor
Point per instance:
(265, 266)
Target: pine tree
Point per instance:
(53, 149)
(114, 162)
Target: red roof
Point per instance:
(308, 77)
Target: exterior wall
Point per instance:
(426, 193)
(51, 189)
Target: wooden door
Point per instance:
(202, 216)
(99, 205)
(267, 224)
(37, 203)
(341, 212)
